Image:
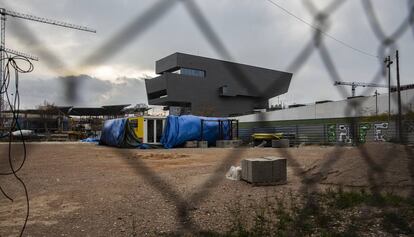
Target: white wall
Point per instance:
(337, 109)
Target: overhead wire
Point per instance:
(11, 67)
(366, 53)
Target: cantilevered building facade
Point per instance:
(205, 86)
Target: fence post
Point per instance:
(297, 135)
(202, 125)
(355, 130)
(237, 129)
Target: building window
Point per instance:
(157, 94)
(191, 72)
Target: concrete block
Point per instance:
(191, 144)
(282, 143)
(279, 166)
(264, 171)
(228, 143)
(203, 144)
(59, 137)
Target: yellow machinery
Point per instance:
(267, 136)
(265, 139)
(148, 129)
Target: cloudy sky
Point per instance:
(131, 36)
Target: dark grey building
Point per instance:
(205, 86)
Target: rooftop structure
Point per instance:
(205, 86)
(47, 119)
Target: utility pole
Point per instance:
(399, 121)
(376, 102)
(388, 63)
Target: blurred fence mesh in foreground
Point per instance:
(303, 133)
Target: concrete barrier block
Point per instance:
(279, 168)
(282, 143)
(202, 144)
(191, 144)
(228, 143)
(264, 171)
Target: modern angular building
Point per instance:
(205, 86)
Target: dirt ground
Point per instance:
(89, 190)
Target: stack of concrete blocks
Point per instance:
(59, 137)
(203, 144)
(281, 143)
(228, 143)
(191, 144)
(196, 144)
(264, 171)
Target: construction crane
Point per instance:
(354, 85)
(31, 57)
(3, 14)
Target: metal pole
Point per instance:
(202, 128)
(237, 129)
(230, 122)
(354, 131)
(2, 48)
(389, 89)
(220, 131)
(399, 99)
(389, 62)
(376, 102)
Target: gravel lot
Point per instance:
(89, 190)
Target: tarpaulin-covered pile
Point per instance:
(117, 132)
(179, 129)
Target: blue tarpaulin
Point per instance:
(117, 132)
(179, 129)
(91, 140)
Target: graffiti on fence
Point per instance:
(331, 132)
(409, 126)
(363, 130)
(344, 134)
(378, 131)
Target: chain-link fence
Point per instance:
(334, 133)
(323, 133)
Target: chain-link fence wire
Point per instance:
(388, 43)
(331, 132)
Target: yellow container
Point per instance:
(148, 128)
(138, 124)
